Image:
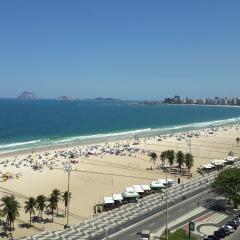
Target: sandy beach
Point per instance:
(103, 169)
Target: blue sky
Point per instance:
(130, 49)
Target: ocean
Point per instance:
(26, 124)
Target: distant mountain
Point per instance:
(107, 99)
(27, 95)
(64, 98)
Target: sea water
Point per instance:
(28, 124)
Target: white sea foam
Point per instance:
(19, 144)
(106, 135)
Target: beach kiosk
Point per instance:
(139, 190)
(118, 199)
(170, 182)
(219, 164)
(231, 160)
(146, 188)
(130, 196)
(108, 203)
(208, 167)
(156, 186)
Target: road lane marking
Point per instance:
(151, 224)
(132, 234)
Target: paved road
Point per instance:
(157, 222)
(234, 236)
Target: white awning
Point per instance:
(162, 181)
(146, 187)
(231, 159)
(218, 162)
(131, 194)
(208, 166)
(138, 188)
(108, 200)
(156, 184)
(170, 180)
(129, 189)
(117, 197)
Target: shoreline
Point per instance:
(123, 136)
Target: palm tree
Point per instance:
(29, 207)
(153, 157)
(56, 193)
(170, 156)
(10, 209)
(237, 140)
(163, 157)
(40, 204)
(52, 204)
(180, 160)
(66, 199)
(189, 162)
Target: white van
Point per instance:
(145, 235)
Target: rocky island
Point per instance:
(64, 98)
(27, 95)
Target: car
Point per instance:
(222, 233)
(145, 235)
(236, 221)
(225, 230)
(233, 225)
(212, 237)
(219, 234)
(230, 228)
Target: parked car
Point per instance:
(226, 231)
(236, 221)
(230, 228)
(231, 223)
(213, 237)
(222, 233)
(219, 234)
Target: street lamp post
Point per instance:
(166, 204)
(68, 170)
(189, 144)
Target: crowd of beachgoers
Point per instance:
(61, 158)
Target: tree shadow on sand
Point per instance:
(24, 225)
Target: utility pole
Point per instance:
(68, 170)
(189, 144)
(166, 187)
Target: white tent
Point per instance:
(162, 181)
(146, 187)
(138, 189)
(129, 189)
(117, 197)
(231, 159)
(156, 185)
(108, 200)
(131, 194)
(218, 162)
(208, 166)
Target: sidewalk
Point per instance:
(180, 220)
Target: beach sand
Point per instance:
(94, 177)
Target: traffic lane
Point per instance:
(234, 236)
(157, 222)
